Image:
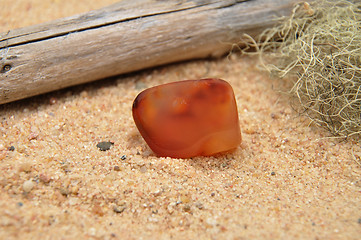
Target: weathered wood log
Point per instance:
(125, 37)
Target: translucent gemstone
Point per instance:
(188, 118)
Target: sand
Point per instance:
(287, 180)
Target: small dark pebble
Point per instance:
(359, 220)
(104, 146)
(118, 209)
(124, 157)
(11, 148)
(20, 204)
(187, 208)
(313, 224)
(64, 191)
(213, 194)
(116, 168)
(113, 235)
(273, 173)
(199, 205)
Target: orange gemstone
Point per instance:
(188, 118)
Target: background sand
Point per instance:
(286, 181)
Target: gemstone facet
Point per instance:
(188, 118)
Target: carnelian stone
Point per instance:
(188, 118)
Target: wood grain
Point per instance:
(125, 37)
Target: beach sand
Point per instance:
(287, 180)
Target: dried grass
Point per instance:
(320, 44)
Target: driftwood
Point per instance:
(125, 37)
